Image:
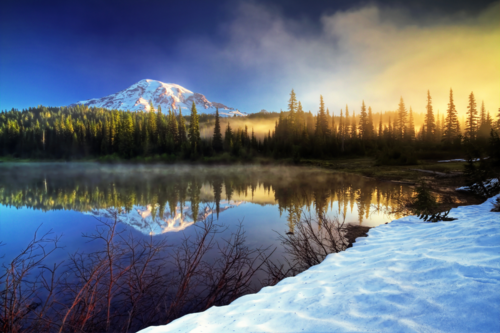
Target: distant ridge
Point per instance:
(167, 95)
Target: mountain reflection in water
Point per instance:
(160, 199)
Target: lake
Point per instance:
(172, 204)
(167, 201)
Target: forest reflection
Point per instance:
(160, 199)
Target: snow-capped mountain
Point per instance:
(167, 95)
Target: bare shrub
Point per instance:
(28, 287)
(309, 244)
(126, 284)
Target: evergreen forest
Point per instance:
(392, 137)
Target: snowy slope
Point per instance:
(407, 276)
(167, 95)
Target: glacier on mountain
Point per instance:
(167, 95)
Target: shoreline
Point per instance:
(442, 187)
(408, 275)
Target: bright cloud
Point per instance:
(371, 53)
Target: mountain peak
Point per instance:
(167, 95)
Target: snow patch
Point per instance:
(488, 184)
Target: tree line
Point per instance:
(82, 132)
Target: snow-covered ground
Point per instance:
(407, 276)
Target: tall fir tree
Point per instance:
(411, 127)
(354, 131)
(173, 128)
(471, 121)
(451, 126)
(194, 131)
(182, 129)
(292, 110)
(228, 138)
(342, 132)
(217, 143)
(429, 128)
(126, 136)
(401, 120)
(482, 116)
(371, 127)
(152, 128)
(438, 128)
(380, 127)
(363, 122)
(347, 122)
(321, 120)
(300, 116)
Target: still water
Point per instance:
(168, 201)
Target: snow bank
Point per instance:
(407, 276)
(488, 184)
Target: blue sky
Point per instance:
(245, 54)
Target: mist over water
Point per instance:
(169, 200)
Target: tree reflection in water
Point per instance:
(158, 199)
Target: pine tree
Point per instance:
(194, 131)
(471, 122)
(429, 128)
(321, 121)
(363, 122)
(334, 127)
(380, 128)
(438, 128)
(486, 125)
(217, 143)
(451, 125)
(254, 140)
(411, 127)
(105, 139)
(354, 132)
(328, 117)
(390, 130)
(152, 128)
(292, 108)
(161, 129)
(482, 117)
(126, 136)
(347, 123)
(228, 138)
(342, 131)
(401, 121)
(182, 129)
(300, 117)
(371, 127)
(113, 132)
(173, 127)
